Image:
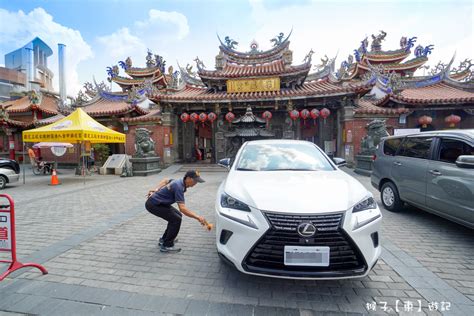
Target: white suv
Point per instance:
(286, 210)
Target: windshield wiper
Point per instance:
(245, 169)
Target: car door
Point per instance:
(409, 168)
(450, 189)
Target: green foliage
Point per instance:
(101, 153)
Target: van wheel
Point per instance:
(3, 182)
(390, 198)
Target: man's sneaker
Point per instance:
(169, 249)
(160, 243)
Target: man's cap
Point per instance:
(195, 175)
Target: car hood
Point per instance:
(295, 191)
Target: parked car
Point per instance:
(10, 164)
(433, 171)
(286, 210)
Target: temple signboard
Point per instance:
(253, 85)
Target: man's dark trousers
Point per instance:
(169, 214)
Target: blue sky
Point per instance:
(99, 33)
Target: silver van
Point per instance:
(433, 171)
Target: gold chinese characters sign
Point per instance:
(253, 85)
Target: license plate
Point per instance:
(306, 256)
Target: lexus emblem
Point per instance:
(306, 229)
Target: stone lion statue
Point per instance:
(144, 145)
(376, 130)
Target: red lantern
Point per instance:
(212, 117)
(230, 117)
(184, 117)
(425, 120)
(325, 113)
(203, 117)
(194, 117)
(304, 114)
(294, 115)
(452, 120)
(314, 115)
(267, 115)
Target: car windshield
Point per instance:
(274, 157)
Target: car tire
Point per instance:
(390, 197)
(3, 182)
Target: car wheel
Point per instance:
(390, 198)
(3, 182)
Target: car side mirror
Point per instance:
(340, 162)
(465, 161)
(225, 162)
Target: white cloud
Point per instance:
(160, 31)
(338, 27)
(18, 28)
(160, 23)
(121, 43)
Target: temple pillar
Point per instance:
(11, 143)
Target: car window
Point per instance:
(272, 157)
(391, 145)
(416, 147)
(451, 149)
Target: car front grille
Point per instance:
(267, 256)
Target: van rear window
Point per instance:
(391, 145)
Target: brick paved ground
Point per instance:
(100, 247)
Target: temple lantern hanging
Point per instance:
(425, 120)
(229, 117)
(267, 115)
(294, 114)
(452, 120)
(304, 114)
(202, 117)
(194, 117)
(314, 115)
(325, 113)
(184, 117)
(212, 117)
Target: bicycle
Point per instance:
(42, 167)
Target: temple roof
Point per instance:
(48, 104)
(254, 56)
(152, 116)
(320, 88)
(105, 107)
(274, 68)
(440, 93)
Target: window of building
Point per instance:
(416, 147)
(391, 145)
(451, 149)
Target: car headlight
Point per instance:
(365, 212)
(230, 202)
(366, 204)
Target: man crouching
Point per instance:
(159, 204)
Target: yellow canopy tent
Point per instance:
(77, 127)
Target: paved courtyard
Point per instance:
(99, 245)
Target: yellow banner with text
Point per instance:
(253, 85)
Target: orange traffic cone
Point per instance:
(54, 178)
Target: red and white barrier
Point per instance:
(7, 237)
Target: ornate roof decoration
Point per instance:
(154, 71)
(249, 125)
(391, 60)
(228, 52)
(152, 116)
(189, 76)
(249, 117)
(324, 70)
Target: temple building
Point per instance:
(206, 114)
